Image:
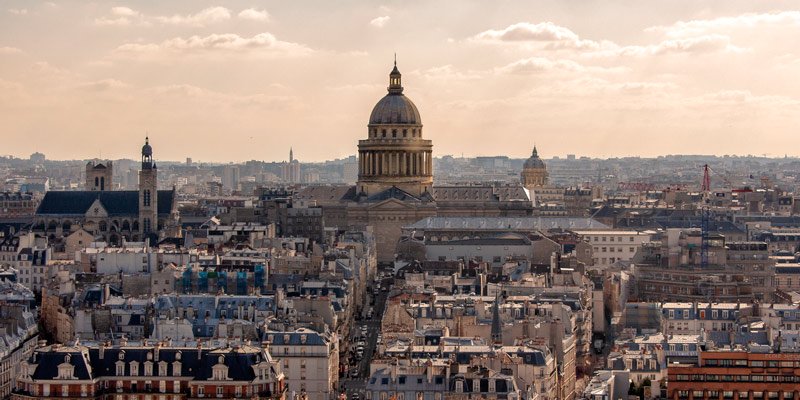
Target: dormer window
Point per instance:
(66, 370)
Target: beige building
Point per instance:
(610, 246)
(309, 360)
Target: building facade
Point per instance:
(156, 371)
(736, 375)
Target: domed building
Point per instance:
(395, 180)
(534, 172)
(395, 155)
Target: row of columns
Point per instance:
(395, 163)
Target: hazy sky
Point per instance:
(241, 80)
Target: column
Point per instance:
(430, 163)
(403, 164)
(372, 166)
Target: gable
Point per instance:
(96, 210)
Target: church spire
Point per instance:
(535, 153)
(395, 86)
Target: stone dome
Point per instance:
(147, 151)
(395, 108)
(534, 161)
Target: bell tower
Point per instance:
(148, 192)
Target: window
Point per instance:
(201, 391)
(146, 198)
(219, 391)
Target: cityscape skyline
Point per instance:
(190, 73)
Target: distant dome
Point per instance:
(534, 161)
(147, 151)
(395, 108)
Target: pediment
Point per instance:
(97, 210)
(392, 204)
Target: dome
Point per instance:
(147, 151)
(395, 108)
(534, 161)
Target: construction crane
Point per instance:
(704, 215)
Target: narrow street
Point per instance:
(356, 385)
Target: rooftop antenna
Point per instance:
(395, 58)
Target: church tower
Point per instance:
(394, 153)
(148, 191)
(99, 176)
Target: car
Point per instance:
(354, 396)
(354, 373)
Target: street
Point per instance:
(357, 385)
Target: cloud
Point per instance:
(122, 16)
(262, 44)
(542, 32)
(692, 45)
(104, 21)
(539, 64)
(9, 50)
(18, 11)
(102, 85)
(380, 22)
(749, 20)
(254, 15)
(534, 65)
(124, 11)
(202, 18)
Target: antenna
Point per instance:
(395, 58)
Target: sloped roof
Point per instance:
(116, 203)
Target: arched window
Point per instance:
(146, 199)
(102, 183)
(405, 132)
(96, 181)
(103, 226)
(146, 225)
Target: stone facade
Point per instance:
(99, 176)
(394, 153)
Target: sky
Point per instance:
(244, 80)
